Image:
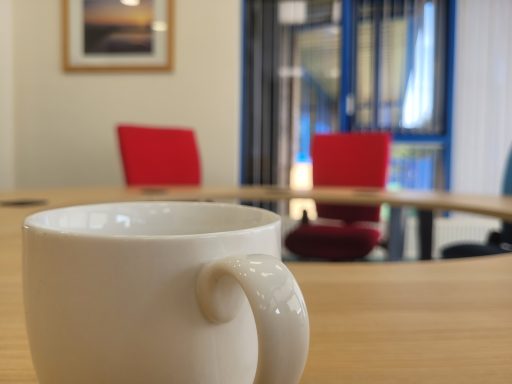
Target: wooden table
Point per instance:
(424, 202)
(497, 206)
(426, 322)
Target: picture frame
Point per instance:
(117, 35)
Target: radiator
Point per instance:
(450, 230)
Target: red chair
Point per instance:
(349, 160)
(159, 156)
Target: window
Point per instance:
(354, 65)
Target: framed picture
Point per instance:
(117, 35)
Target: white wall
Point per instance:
(6, 97)
(65, 122)
(482, 133)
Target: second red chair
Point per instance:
(348, 160)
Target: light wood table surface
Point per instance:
(425, 203)
(497, 206)
(424, 322)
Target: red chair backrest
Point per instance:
(350, 160)
(159, 156)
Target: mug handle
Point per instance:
(277, 304)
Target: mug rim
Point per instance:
(32, 222)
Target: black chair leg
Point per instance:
(425, 233)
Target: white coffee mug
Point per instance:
(161, 292)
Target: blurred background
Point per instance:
(257, 78)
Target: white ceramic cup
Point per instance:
(161, 292)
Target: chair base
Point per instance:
(471, 250)
(332, 243)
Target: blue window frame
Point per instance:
(394, 73)
(419, 114)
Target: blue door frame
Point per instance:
(347, 25)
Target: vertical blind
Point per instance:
(482, 134)
(399, 66)
(260, 118)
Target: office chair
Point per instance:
(159, 156)
(497, 242)
(348, 160)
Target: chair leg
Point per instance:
(396, 234)
(425, 233)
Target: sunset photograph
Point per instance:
(118, 26)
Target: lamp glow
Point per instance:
(130, 3)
